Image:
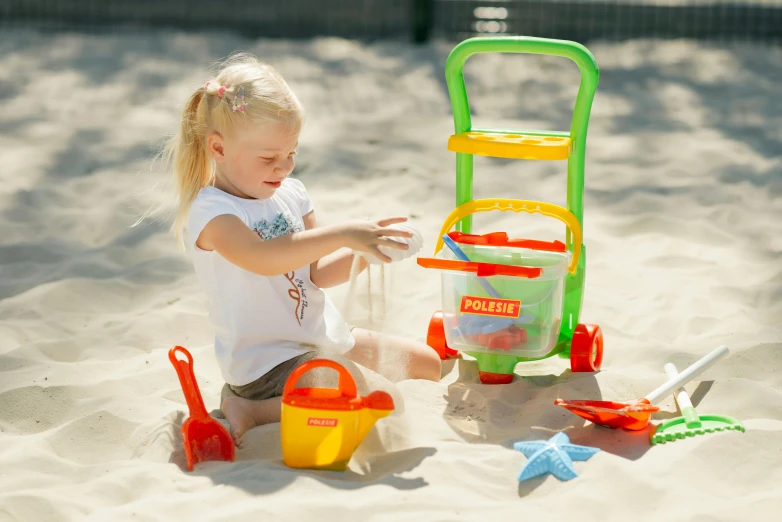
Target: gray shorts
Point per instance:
(269, 385)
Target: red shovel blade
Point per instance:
(630, 416)
(204, 438)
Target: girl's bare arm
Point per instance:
(333, 269)
(232, 239)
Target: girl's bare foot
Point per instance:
(243, 415)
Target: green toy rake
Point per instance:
(690, 423)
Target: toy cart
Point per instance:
(509, 300)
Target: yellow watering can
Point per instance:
(320, 428)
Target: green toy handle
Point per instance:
(691, 417)
(525, 45)
(590, 75)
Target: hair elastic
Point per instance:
(236, 105)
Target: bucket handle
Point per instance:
(346, 385)
(516, 205)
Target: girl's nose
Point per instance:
(285, 167)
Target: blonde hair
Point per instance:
(244, 89)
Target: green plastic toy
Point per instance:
(541, 283)
(690, 423)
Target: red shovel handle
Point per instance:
(184, 370)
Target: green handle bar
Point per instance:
(578, 127)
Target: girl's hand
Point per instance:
(367, 236)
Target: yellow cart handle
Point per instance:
(516, 205)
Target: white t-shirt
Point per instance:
(262, 321)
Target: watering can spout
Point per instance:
(377, 405)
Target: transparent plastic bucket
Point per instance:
(524, 321)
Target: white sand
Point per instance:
(683, 212)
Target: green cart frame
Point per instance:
(581, 343)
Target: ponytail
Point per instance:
(187, 153)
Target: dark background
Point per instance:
(417, 20)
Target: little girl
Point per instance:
(257, 249)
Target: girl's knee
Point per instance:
(427, 365)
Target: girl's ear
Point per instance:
(215, 144)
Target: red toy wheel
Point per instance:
(435, 337)
(495, 378)
(586, 348)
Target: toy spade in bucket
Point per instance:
(481, 324)
(320, 428)
(635, 415)
(204, 438)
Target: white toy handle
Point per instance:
(695, 369)
(682, 399)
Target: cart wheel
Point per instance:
(495, 378)
(586, 348)
(435, 337)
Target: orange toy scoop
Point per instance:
(204, 438)
(630, 416)
(636, 415)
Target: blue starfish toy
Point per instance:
(554, 456)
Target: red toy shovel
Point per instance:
(204, 438)
(635, 415)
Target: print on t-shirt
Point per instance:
(298, 294)
(282, 225)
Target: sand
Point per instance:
(682, 222)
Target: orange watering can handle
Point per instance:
(347, 385)
(184, 370)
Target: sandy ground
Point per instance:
(683, 224)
